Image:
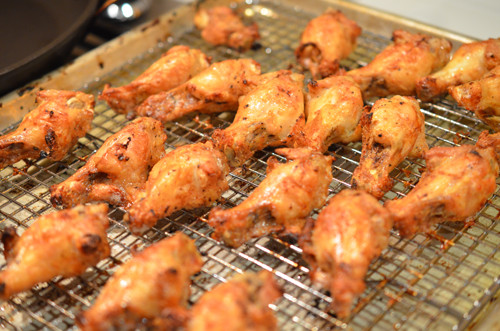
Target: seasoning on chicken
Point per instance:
(222, 26)
(398, 67)
(51, 129)
(351, 231)
(280, 203)
(326, 40)
(118, 170)
(392, 130)
(175, 67)
(470, 62)
(214, 90)
(63, 243)
(153, 285)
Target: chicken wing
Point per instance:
(63, 243)
(214, 90)
(349, 233)
(51, 129)
(392, 130)
(470, 62)
(283, 199)
(326, 40)
(118, 170)
(154, 283)
(222, 26)
(240, 304)
(272, 114)
(482, 97)
(398, 67)
(175, 67)
(190, 176)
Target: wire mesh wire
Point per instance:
(431, 281)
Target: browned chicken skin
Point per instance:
(222, 26)
(190, 176)
(118, 170)
(240, 304)
(392, 130)
(326, 40)
(175, 67)
(283, 199)
(470, 62)
(51, 129)
(151, 285)
(63, 243)
(349, 233)
(398, 67)
(272, 114)
(214, 90)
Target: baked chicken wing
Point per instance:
(398, 67)
(153, 285)
(63, 243)
(326, 40)
(214, 90)
(283, 199)
(339, 246)
(470, 62)
(175, 67)
(118, 170)
(392, 130)
(51, 129)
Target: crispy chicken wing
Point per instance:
(398, 67)
(153, 284)
(392, 130)
(222, 26)
(326, 40)
(118, 170)
(349, 233)
(63, 243)
(190, 176)
(283, 199)
(175, 67)
(214, 90)
(240, 304)
(470, 62)
(51, 129)
(272, 114)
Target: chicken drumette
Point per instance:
(118, 170)
(283, 199)
(51, 129)
(326, 40)
(392, 130)
(63, 243)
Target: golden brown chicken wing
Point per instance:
(63, 243)
(272, 114)
(470, 62)
(326, 40)
(190, 176)
(398, 67)
(175, 67)
(283, 199)
(118, 170)
(349, 233)
(222, 26)
(51, 129)
(214, 90)
(153, 284)
(392, 130)
(240, 304)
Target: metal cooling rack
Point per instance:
(438, 281)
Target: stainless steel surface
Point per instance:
(439, 281)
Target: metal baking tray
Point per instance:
(445, 280)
